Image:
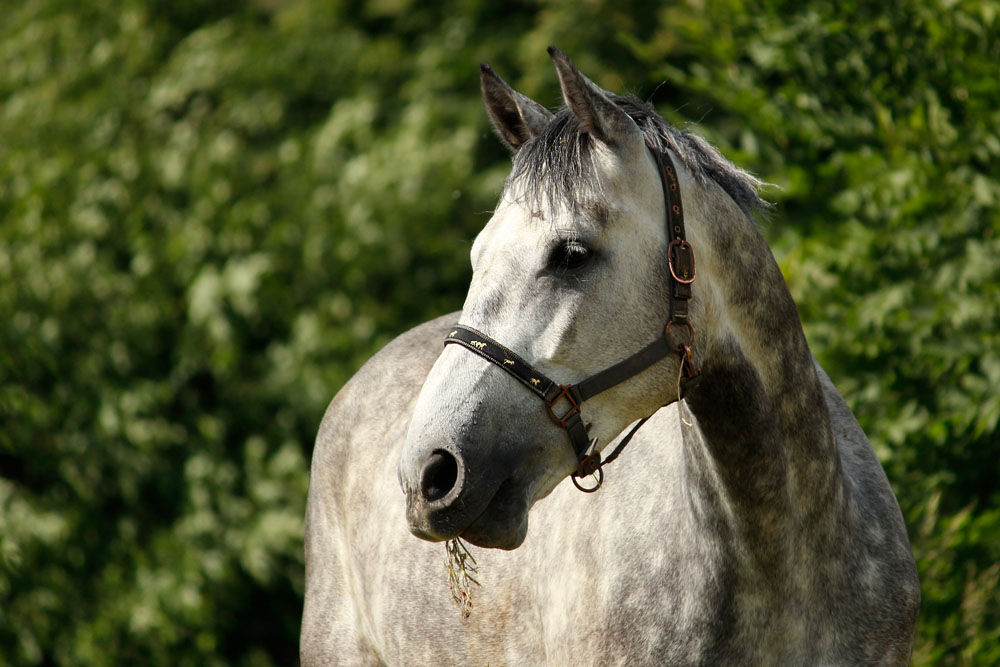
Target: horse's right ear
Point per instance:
(599, 116)
(516, 118)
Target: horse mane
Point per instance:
(556, 164)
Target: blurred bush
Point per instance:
(212, 212)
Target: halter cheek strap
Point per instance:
(563, 402)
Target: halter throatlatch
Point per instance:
(563, 402)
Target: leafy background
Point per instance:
(211, 213)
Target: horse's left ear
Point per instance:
(515, 117)
(599, 116)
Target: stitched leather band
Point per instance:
(570, 416)
(680, 255)
(490, 349)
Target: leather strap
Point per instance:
(680, 255)
(488, 348)
(623, 370)
(553, 393)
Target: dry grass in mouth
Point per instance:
(461, 570)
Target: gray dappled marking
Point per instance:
(749, 524)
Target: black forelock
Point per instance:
(556, 168)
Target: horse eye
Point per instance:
(569, 256)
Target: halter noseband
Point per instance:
(680, 262)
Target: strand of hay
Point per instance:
(461, 570)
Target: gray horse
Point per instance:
(747, 522)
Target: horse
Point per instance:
(746, 520)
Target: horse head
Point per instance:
(570, 276)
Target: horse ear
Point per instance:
(515, 117)
(599, 116)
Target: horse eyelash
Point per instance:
(561, 254)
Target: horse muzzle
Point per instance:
(448, 500)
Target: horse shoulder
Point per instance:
(349, 496)
(878, 566)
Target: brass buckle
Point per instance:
(574, 406)
(683, 245)
(684, 350)
(588, 465)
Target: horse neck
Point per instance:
(766, 436)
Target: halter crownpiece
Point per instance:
(563, 402)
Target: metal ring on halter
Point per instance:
(600, 480)
(690, 332)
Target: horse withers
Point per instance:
(620, 279)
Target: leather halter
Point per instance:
(680, 262)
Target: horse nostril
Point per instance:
(438, 475)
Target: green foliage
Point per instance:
(212, 213)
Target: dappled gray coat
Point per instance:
(747, 524)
